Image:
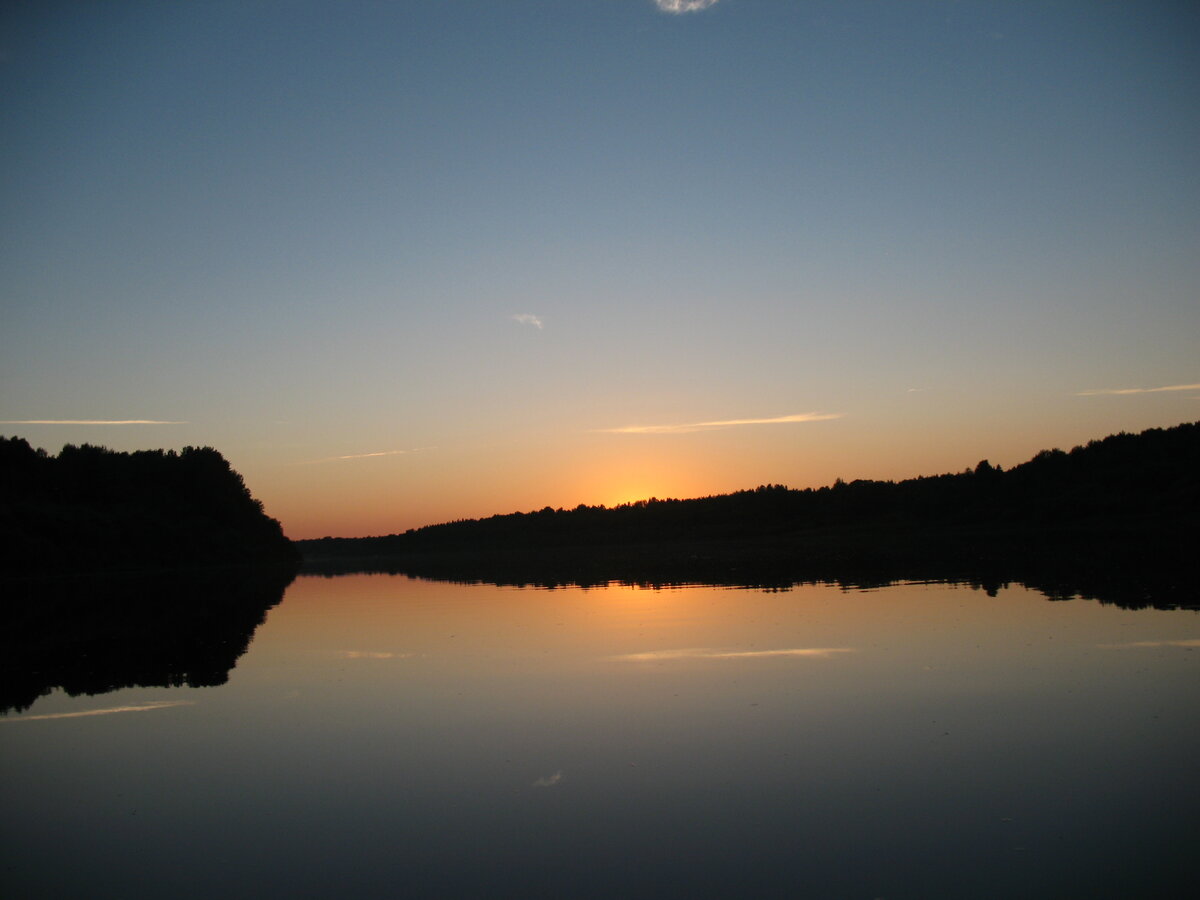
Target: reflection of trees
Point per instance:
(91, 509)
(1122, 513)
(1098, 572)
(90, 636)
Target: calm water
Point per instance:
(388, 737)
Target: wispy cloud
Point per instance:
(683, 6)
(710, 653)
(159, 704)
(1124, 391)
(369, 455)
(88, 422)
(549, 780)
(1137, 645)
(371, 654)
(724, 423)
(377, 453)
(529, 319)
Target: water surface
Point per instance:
(386, 736)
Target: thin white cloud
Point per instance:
(1136, 645)
(549, 780)
(88, 422)
(710, 653)
(529, 319)
(159, 704)
(370, 455)
(377, 453)
(725, 423)
(1125, 391)
(683, 6)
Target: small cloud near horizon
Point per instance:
(529, 319)
(549, 780)
(1126, 391)
(377, 453)
(724, 423)
(88, 422)
(683, 6)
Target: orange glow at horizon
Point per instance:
(632, 477)
(391, 495)
(360, 496)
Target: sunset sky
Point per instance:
(411, 261)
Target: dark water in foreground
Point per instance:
(388, 737)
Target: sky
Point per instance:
(414, 261)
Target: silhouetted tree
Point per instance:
(91, 509)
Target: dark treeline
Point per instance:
(90, 509)
(1136, 492)
(94, 635)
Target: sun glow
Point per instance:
(616, 481)
(631, 495)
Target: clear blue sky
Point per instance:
(522, 241)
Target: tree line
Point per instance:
(1125, 484)
(94, 509)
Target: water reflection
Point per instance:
(144, 707)
(390, 736)
(1093, 572)
(97, 635)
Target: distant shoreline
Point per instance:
(1150, 570)
(1125, 501)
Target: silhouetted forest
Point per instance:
(91, 509)
(92, 635)
(1125, 499)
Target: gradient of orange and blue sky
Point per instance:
(404, 262)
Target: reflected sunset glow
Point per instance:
(682, 732)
